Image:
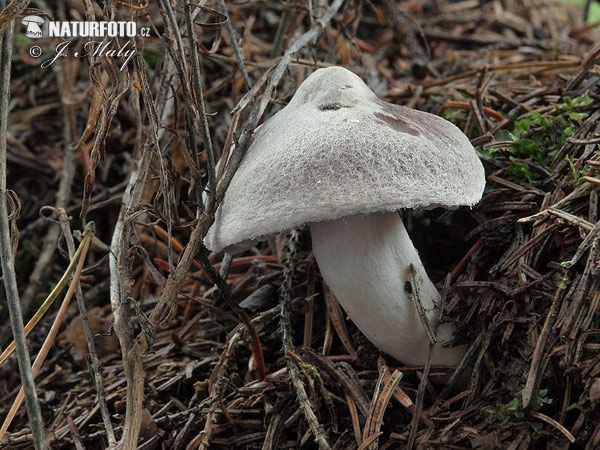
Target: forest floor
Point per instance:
(519, 272)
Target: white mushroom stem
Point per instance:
(365, 262)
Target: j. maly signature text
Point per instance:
(98, 49)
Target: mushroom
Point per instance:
(33, 26)
(344, 162)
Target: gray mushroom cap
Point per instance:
(337, 150)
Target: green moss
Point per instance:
(516, 411)
(536, 138)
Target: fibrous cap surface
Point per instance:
(337, 150)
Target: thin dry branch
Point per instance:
(286, 338)
(94, 361)
(6, 245)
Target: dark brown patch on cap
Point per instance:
(397, 123)
(332, 106)
(417, 120)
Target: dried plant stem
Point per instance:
(10, 11)
(281, 29)
(385, 388)
(42, 264)
(120, 279)
(216, 382)
(286, 333)
(533, 375)
(94, 362)
(218, 379)
(63, 195)
(416, 299)
(64, 281)
(239, 58)
(414, 425)
(67, 176)
(58, 320)
(120, 282)
(225, 294)
(6, 257)
(159, 318)
(201, 108)
(120, 289)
